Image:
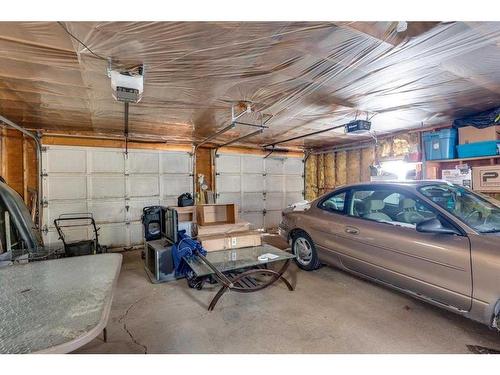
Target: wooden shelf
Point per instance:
(463, 159)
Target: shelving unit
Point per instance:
(433, 168)
(492, 158)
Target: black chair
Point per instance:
(80, 247)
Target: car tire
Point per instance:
(306, 256)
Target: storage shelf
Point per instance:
(463, 159)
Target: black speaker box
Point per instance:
(153, 220)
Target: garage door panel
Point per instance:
(113, 235)
(66, 187)
(255, 218)
(228, 164)
(71, 235)
(176, 162)
(108, 183)
(275, 183)
(136, 206)
(136, 234)
(175, 185)
(108, 211)
(252, 202)
(226, 198)
(252, 182)
(168, 201)
(274, 201)
(293, 166)
(252, 164)
(56, 208)
(272, 219)
(107, 162)
(274, 166)
(143, 162)
(143, 186)
(293, 198)
(107, 186)
(228, 183)
(294, 183)
(248, 177)
(66, 161)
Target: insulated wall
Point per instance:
(261, 187)
(326, 171)
(112, 186)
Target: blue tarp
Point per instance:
(185, 247)
(480, 120)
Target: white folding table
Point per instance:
(56, 306)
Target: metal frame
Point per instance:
(125, 130)
(304, 135)
(239, 282)
(232, 125)
(75, 217)
(38, 144)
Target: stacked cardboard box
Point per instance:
(186, 218)
(487, 178)
(474, 142)
(219, 228)
(470, 134)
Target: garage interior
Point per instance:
(251, 115)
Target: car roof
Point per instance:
(406, 183)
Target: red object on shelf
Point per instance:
(414, 157)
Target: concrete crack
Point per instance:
(144, 347)
(122, 319)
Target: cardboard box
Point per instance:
(187, 213)
(232, 241)
(458, 176)
(486, 178)
(215, 214)
(240, 226)
(470, 134)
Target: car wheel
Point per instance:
(305, 252)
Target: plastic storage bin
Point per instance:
(441, 144)
(478, 149)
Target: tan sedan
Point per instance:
(433, 240)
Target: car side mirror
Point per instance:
(434, 226)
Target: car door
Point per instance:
(382, 245)
(326, 223)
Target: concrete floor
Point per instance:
(329, 312)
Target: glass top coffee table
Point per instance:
(241, 270)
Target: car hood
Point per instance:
(496, 234)
(298, 207)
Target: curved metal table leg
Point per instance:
(219, 294)
(287, 283)
(282, 271)
(276, 275)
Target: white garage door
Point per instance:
(112, 187)
(261, 187)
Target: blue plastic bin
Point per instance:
(478, 149)
(441, 144)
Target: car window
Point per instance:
(394, 199)
(391, 207)
(467, 206)
(335, 202)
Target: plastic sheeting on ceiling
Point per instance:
(308, 75)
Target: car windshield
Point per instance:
(474, 210)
